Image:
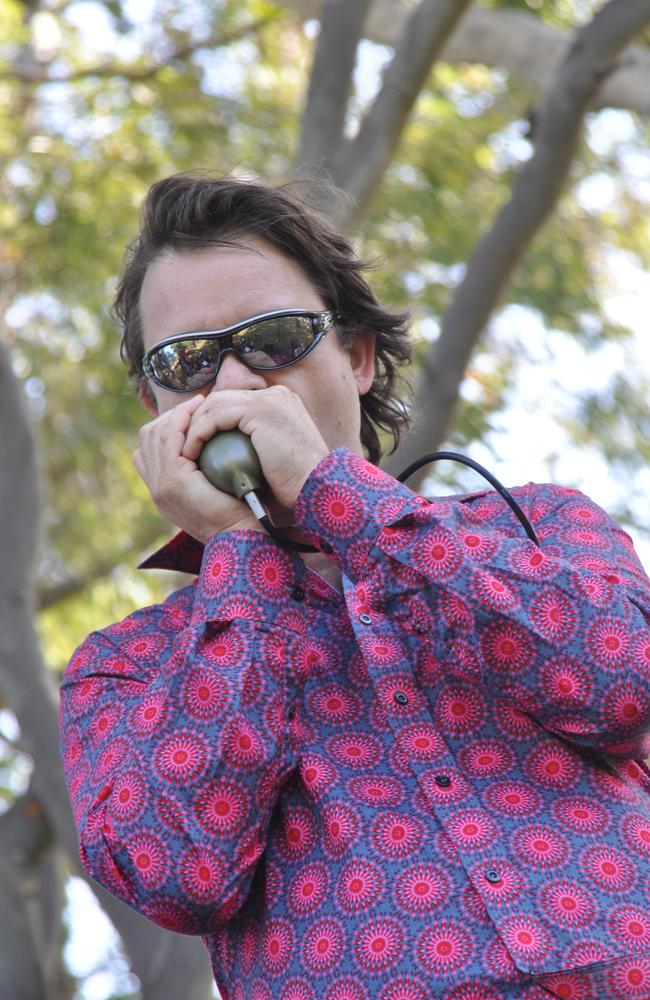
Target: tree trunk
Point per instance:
(168, 966)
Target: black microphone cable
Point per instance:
(263, 517)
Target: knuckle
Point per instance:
(283, 391)
(160, 495)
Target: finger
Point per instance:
(165, 435)
(137, 461)
(198, 434)
(207, 422)
(180, 416)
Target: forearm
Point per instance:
(557, 631)
(196, 746)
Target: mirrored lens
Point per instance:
(192, 363)
(186, 364)
(273, 342)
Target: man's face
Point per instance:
(220, 286)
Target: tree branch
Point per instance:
(362, 162)
(534, 194)
(46, 596)
(34, 72)
(330, 82)
(520, 43)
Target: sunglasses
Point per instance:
(266, 342)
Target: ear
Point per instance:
(362, 359)
(146, 396)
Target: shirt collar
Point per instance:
(181, 553)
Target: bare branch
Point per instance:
(534, 194)
(46, 596)
(330, 82)
(58, 6)
(512, 40)
(35, 72)
(361, 164)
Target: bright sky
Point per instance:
(530, 443)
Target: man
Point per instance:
(407, 765)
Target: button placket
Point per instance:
(445, 765)
(443, 774)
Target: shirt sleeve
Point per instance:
(560, 631)
(176, 720)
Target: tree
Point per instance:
(437, 137)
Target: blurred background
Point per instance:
(496, 160)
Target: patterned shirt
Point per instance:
(431, 780)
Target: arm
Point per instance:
(175, 740)
(560, 632)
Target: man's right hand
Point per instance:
(177, 486)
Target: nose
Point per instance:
(234, 374)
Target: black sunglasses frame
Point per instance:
(322, 322)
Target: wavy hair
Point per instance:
(188, 213)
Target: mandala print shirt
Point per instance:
(429, 781)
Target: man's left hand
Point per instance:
(287, 441)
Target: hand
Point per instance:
(287, 442)
(178, 488)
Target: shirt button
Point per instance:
(493, 876)
(443, 780)
(365, 619)
(298, 593)
(401, 698)
(419, 629)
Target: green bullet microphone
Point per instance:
(230, 462)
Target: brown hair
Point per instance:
(188, 213)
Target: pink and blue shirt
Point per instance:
(428, 785)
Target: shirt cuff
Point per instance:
(244, 574)
(344, 505)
